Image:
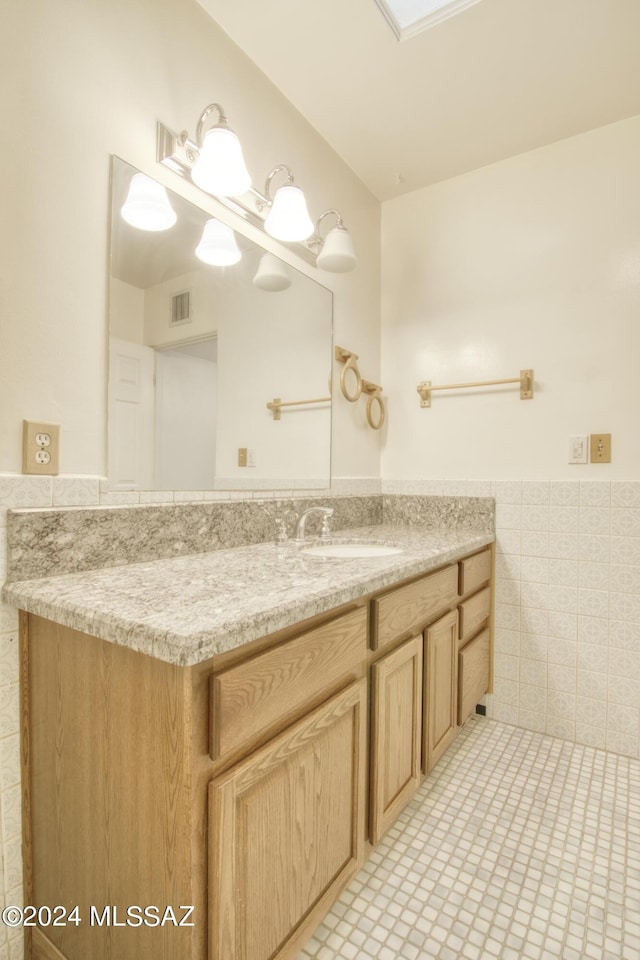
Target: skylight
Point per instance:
(409, 17)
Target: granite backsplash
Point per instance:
(47, 542)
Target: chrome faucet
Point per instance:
(302, 521)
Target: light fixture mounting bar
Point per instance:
(178, 152)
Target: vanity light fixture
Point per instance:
(336, 250)
(147, 206)
(218, 246)
(219, 167)
(271, 274)
(283, 216)
(288, 218)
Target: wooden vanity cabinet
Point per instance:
(247, 786)
(440, 687)
(396, 733)
(447, 615)
(286, 831)
(132, 796)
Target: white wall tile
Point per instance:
(562, 626)
(563, 572)
(591, 712)
(508, 516)
(533, 699)
(625, 523)
(593, 603)
(592, 685)
(562, 651)
(508, 566)
(508, 541)
(561, 705)
(534, 621)
(508, 491)
(10, 758)
(535, 569)
(75, 491)
(595, 521)
(625, 550)
(625, 635)
(564, 546)
(9, 660)
(533, 646)
(536, 491)
(625, 493)
(561, 679)
(507, 616)
(535, 595)
(595, 493)
(480, 488)
(532, 672)
(565, 493)
(563, 599)
(565, 729)
(535, 517)
(596, 576)
(590, 656)
(535, 543)
(593, 630)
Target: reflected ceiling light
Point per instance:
(147, 206)
(271, 274)
(219, 167)
(218, 246)
(336, 250)
(288, 218)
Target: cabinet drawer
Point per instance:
(473, 613)
(473, 674)
(474, 572)
(409, 608)
(256, 696)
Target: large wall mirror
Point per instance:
(197, 352)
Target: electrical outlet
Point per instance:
(40, 448)
(251, 457)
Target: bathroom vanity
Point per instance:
(231, 732)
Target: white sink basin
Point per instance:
(351, 550)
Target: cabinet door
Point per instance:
(286, 830)
(440, 687)
(396, 729)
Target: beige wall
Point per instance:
(82, 80)
(85, 79)
(533, 262)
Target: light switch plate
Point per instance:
(600, 447)
(40, 448)
(579, 449)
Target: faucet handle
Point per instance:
(281, 530)
(325, 533)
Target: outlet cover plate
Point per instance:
(40, 448)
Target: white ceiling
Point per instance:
(501, 78)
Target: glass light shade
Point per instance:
(220, 168)
(288, 217)
(147, 206)
(218, 246)
(271, 274)
(337, 254)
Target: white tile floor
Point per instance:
(519, 846)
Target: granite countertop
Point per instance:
(186, 610)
